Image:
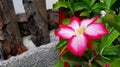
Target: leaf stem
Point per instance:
(102, 55)
(62, 51)
(90, 62)
(70, 7)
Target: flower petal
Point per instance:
(96, 30)
(77, 45)
(74, 23)
(87, 22)
(65, 32)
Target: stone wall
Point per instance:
(43, 56)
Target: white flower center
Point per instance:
(80, 30)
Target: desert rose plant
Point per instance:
(89, 37)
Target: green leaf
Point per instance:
(107, 40)
(87, 1)
(110, 59)
(100, 63)
(92, 2)
(116, 63)
(116, 26)
(112, 20)
(72, 65)
(116, 5)
(96, 12)
(98, 6)
(112, 50)
(61, 44)
(72, 2)
(75, 60)
(102, 60)
(84, 13)
(109, 18)
(66, 21)
(109, 3)
(79, 6)
(96, 44)
(59, 64)
(117, 20)
(60, 4)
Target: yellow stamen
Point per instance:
(81, 30)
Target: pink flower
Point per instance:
(79, 33)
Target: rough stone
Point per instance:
(34, 58)
(43, 56)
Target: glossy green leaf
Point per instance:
(102, 60)
(112, 50)
(116, 5)
(61, 44)
(84, 13)
(60, 4)
(66, 21)
(92, 2)
(72, 2)
(109, 3)
(96, 44)
(112, 20)
(96, 12)
(87, 2)
(79, 6)
(116, 63)
(107, 40)
(72, 65)
(109, 18)
(101, 63)
(98, 6)
(59, 64)
(117, 20)
(116, 26)
(76, 60)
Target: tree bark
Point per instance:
(37, 18)
(12, 44)
(10, 17)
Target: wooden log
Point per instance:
(53, 21)
(37, 18)
(10, 29)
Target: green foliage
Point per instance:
(60, 4)
(109, 3)
(74, 60)
(79, 6)
(108, 39)
(72, 65)
(112, 50)
(87, 1)
(116, 7)
(108, 48)
(85, 13)
(92, 2)
(98, 6)
(112, 20)
(116, 63)
(66, 21)
(59, 64)
(62, 43)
